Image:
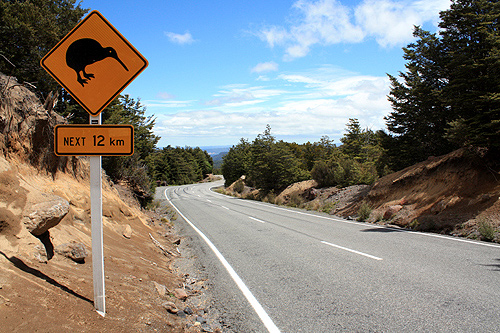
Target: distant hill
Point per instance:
(217, 153)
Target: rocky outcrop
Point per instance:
(42, 216)
(27, 129)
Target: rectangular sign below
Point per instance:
(94, 140)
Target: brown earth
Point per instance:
(40, 295)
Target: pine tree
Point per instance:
(471, 44)
(28, 31)
(419, 116)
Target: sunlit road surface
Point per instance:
(282, 269)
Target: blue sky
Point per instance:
(222, 70)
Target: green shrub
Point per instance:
(413, 224)
(239, 186)
(328, 207)
(270, 197)
(486, 229)
(296, 200)
(364, 212)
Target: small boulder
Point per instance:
(74, 251)
(160, 288)
(127, 231)
(170, 307)
(42, 216)
(180, 294)
(391, 211)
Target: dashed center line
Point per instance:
(351, 250)
(253, 218)
(225, 207)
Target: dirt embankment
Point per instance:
(144, 292)
(457, 194)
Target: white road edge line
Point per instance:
(253, 218)
(264, 317)
(351, 250)
(456, 239)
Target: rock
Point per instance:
(181, 314)
(439, 207)
(160, 288)
(170, 307)
(42, 216)
(187, 309)
(201, 320)
(127, 231)
(391, 211)
(206, 328)
(180, 294)
(41, 258)
(74, 251)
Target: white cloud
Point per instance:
(391, 22)
(328, 22)
(274, 35)
(185, 38)
(167, 104)
(242, 95)
(265, 67)
(165, 95)
(318, 102)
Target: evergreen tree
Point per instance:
(360, 160)
(451, 90)
(273, 165)
(133, 169)
(236, 162)
(419, 117)
(28, 31)
(471, 43)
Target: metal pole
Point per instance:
(96, 219)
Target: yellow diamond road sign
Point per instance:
(94, 63)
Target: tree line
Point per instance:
(272, 165)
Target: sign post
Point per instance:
(94, 63)
(96, 229)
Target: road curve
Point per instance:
(290, 270)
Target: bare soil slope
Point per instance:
(453, 193)
(56, 295)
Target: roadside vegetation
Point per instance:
(271, 165)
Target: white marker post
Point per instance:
(96, 219)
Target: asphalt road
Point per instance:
(290, 270)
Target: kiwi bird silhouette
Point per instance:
(84, 52)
